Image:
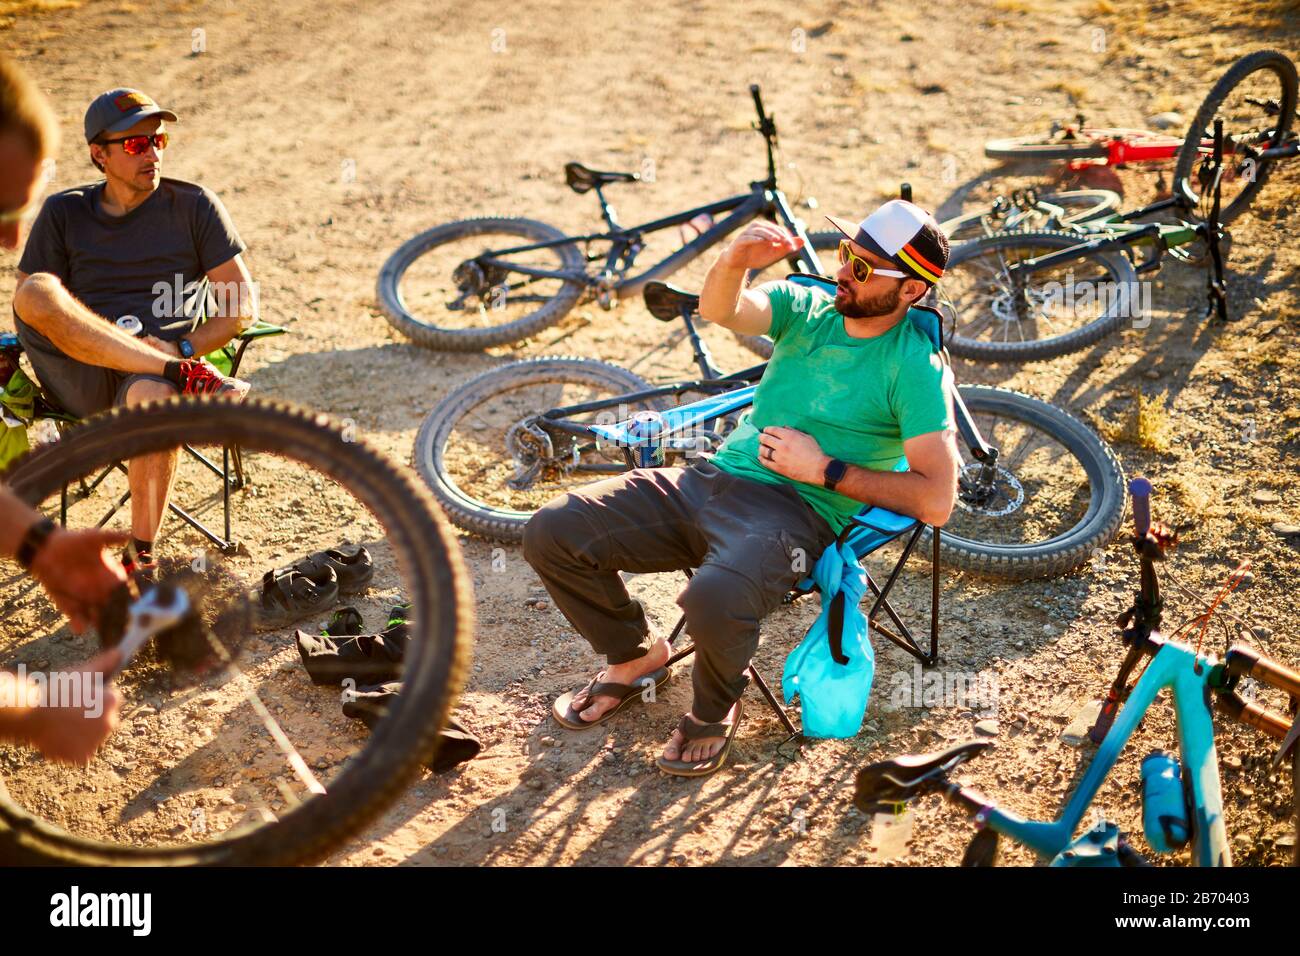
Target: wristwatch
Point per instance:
(33, 541)
(186, 347)
(835, 472)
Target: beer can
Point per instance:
(645, 439)
(130, 325)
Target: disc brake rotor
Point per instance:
(1003, 496)
(534, 455)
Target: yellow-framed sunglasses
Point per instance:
(862, 269)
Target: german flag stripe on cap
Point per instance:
(918, 262)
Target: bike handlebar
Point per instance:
(758, 101)
(1140, 490)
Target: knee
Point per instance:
(557, 528)
(35, 296)
(717, 601)
(148, 390)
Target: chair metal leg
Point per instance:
(224, 544)
(204, 460)
(934, 597)
(237, 458)
(906, 640)
(777, 709)
(225, 487)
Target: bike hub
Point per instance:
(995, 498)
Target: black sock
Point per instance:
(143, 549)
(172, 372)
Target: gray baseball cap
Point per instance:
(121, 109)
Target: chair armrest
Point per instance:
(228, 358)
(883, 520)
(259, 330)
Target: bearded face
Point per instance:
(854, 301)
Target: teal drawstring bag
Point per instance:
(832, 668)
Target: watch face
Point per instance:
(187, 349)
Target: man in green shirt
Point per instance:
(852, 390)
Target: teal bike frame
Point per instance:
(1188, 676)
(1197, 682)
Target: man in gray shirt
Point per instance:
(134, 244)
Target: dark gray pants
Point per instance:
(749, 542)
(75, 387)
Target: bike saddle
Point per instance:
(667, 302)
(581, 179)
(902, 778)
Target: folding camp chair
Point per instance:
(868, 530)
(231, 470)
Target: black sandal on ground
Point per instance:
(564, 714)
(690, 730)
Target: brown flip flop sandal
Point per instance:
(564, 714)
(692, 731)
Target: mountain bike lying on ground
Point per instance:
(1015, 296)
(226, 752)
(489, 281)
(1025, 209)
(1079, 144)
(1182, 801)
(1038, 490)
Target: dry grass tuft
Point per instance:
(32, 7)
(1146, 425)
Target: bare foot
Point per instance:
(627, 673)
(700, 749)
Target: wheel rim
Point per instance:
(1245, 121)
(448, 286)
(985, 306)
(495, 452)
(1078, 206)
(1042, 492)
(196, 772)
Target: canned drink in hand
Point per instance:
(645, 439)
(130, 325)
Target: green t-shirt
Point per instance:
(860, 398)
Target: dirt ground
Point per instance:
(336, 131)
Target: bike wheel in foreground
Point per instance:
(488, 457)
(1242, 99)
(1056, 498)
(435, 290)
(991, 315)
(227, 753)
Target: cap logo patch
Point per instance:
(129, 101)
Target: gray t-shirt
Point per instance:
(150, 263)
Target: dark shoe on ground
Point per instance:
(399, 613)
(353, 569)
(365, 658)
(345, 622)
(567, 716)
(288, 596)
(456, 744)
(690, 730)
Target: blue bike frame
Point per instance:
(1187, 675)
